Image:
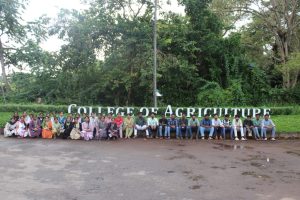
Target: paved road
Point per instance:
(137, 170)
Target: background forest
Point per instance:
(203, 57)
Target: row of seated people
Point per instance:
(106, 127)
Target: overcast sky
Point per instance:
(36, 8)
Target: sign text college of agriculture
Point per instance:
(200, 112)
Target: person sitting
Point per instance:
(68, 127)
(61, 119)
(227, 127)
(172, 126)
(16, 116)
(193, 127)
(47, 129)
(119, 122)
(237, 125)
(218, 127)
(10, 127)
(128, 125)
(140, 125)
(183, 127)
(206, 125)
(257, 126)
(56, 128)
(34, 127)
(268, 125)
(75, 133)
(87, 129)
(163, 127)
(112, 130)
(21, 129)
(248, 127)
(102, 132)
(153, 124)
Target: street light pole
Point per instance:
(155, 55)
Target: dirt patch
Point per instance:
(195, 187)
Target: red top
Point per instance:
(118, 121)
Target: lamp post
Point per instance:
(155, 55)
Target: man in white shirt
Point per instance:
(237, 125)
(153, 124)
(218, 127)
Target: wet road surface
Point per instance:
(153, 169)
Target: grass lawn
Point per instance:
(284, 123)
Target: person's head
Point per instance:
(163, 116)
(140, 114)
(257, 116)
(109, 115)
(193, 116)
(87, 119)
(226, 117)
(41, 114)
(47, 118)
(22, 119)
(24, 113)
(183, 115)
(152, 115)
(75, 120)
(249, 117)
(16, 114)
(119, 114)
(216, 116)
(128, 115)
(206, 116)
(31, 116)
(13, 120)
(267, 116)
(236, 117)
(102, 118)
(69, 119)
(172, 116)
(61, 114)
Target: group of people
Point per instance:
(112, 127)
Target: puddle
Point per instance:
(255, 175)
(293, 153)
(221, 146)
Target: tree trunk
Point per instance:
(4, 77)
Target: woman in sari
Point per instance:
(75, 133)
(128, 125)
(10, 128)
(102, 132)
(56, 128)
(47, 129)
(68, 126)
(119, 122)
(87, 129)
(21, 128)
(34, 127)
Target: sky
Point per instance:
(36, 8)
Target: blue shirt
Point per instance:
(172, 122)
(205, 122)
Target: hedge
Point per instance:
(35, 108)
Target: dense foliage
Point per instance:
(202, 59)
